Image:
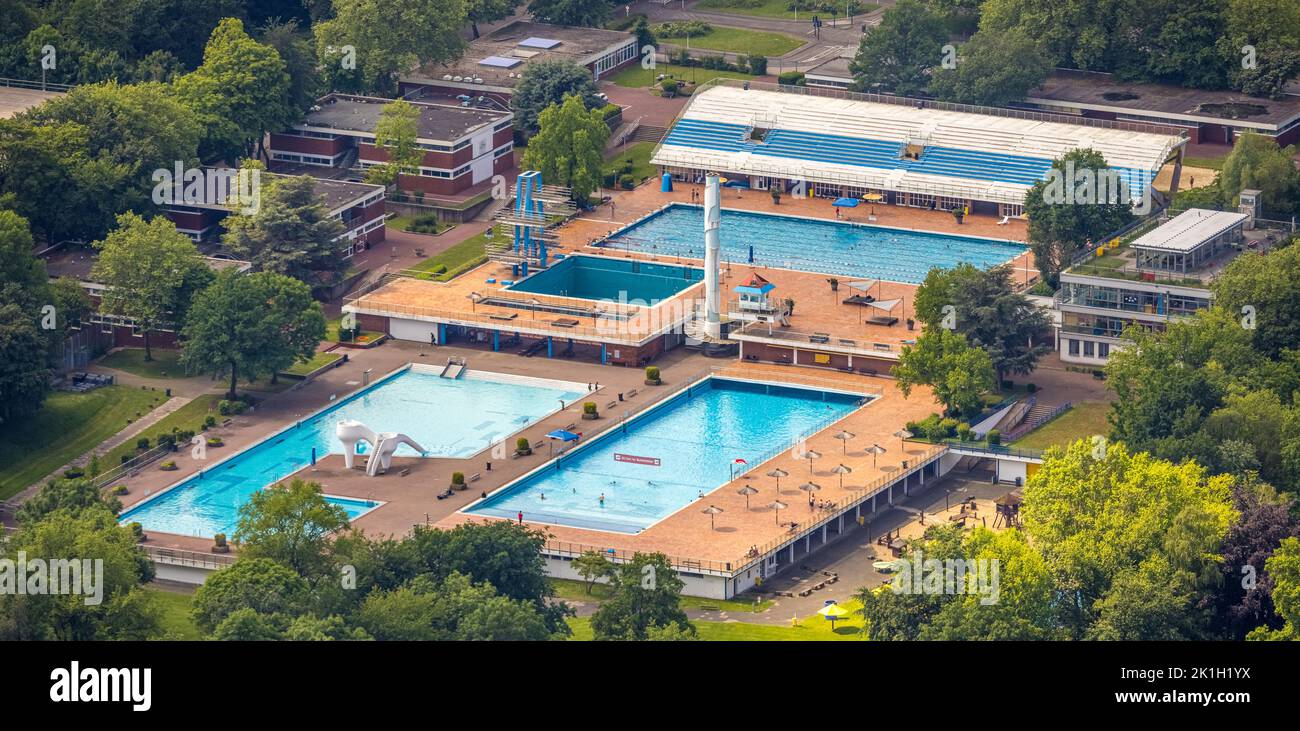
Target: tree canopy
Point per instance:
(291, 233)
(945, 361)
(569, 149)
(550, 82)
(899, 54)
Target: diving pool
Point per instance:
(603, 278)
(447, 417)
(831, 247)
(664, 459)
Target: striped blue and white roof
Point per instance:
(860, 143)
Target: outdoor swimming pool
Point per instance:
(846, 249)
(662, 460)
(447, 417)
(603, 278)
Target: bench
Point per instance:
(630, 393)
(819, 338)
(511, 316)
(474, 477)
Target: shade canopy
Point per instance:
(778, 473)
(833, 610)
(810, 487)
(876, 449)
(712, 510)
(862, 285)
(904, 434)
(747, 490)
(845, 203)
(777, 505)
(885, 305)
(563, 435)
(842, 469)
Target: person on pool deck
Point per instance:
(521, 517)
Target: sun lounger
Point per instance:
(1005, 220)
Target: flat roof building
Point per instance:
(908, 152)
(493, 63)
(465, 144)
(1207, 116)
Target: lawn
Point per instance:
(403, 223)
(165, 363)
(187, 418)
(332, 331)
(320, 360)
(1082, 421)
(737, 40)
(635, 77)
(77, 422)
(175, 609)
(454, 261)
(772, 9)
(815, 629)
(577, 591)
(1210, 163)
(640, 156)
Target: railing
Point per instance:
(182, 557)
(1029, 426)
(792, 377)
(695, 565)
(994, 450)
(857, 345)
(856, 497)
(130, 467)
(37, 85)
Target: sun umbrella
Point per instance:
(747, 491)
(845, 203)
(874, 450)
(778, 473)
(778, 506)
(712, 510)
(810, 455)
(842, 470)
(903, 434)
(833, 612)
(810, 488)
(844, 437)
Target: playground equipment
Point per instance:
(382, 445)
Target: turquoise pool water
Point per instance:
(449, 418)
(696, 437)
(846, 249)
(600, 278)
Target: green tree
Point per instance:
(252, 325)
(569, 148)
(502, 554)
(291, 525)
(1060, 226)
(146, 266)
(24, 365)
(488, 11)
(592, 565)
(1096, 511)
(547, 83)
(646, 594)
(240, 93)
(899, 54)
(391, 37)
(256, 584)
(291, 233)
(122, 612)
(1258, 162)
(1284, 567)
(590, 13)
(396, 134)
(942, 359)
(993, 70)
(72, 497)
(298, 53)
(989, 312)
(249, 625)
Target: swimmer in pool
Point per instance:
(543, 495)
(602, 500)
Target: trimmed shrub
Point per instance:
(142, 443)
(758, 65)
(994, 437)
(790, 78)
(652, 373)
(1031, 387)
(458, 478)
(589, 407)
(626, 182)
(964, 432)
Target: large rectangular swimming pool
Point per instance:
(603, 278)
(846, 249)
(447, 417)
(666, 458)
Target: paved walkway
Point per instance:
(131, 432)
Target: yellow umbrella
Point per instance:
(833, 612)
(873, 197)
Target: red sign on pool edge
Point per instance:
(652, 461)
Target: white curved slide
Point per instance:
(382, 445)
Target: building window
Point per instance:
(1074, 346)
(1088, 347)
(1103, 350)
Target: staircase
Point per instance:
(647, 133)
(1040, 414)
